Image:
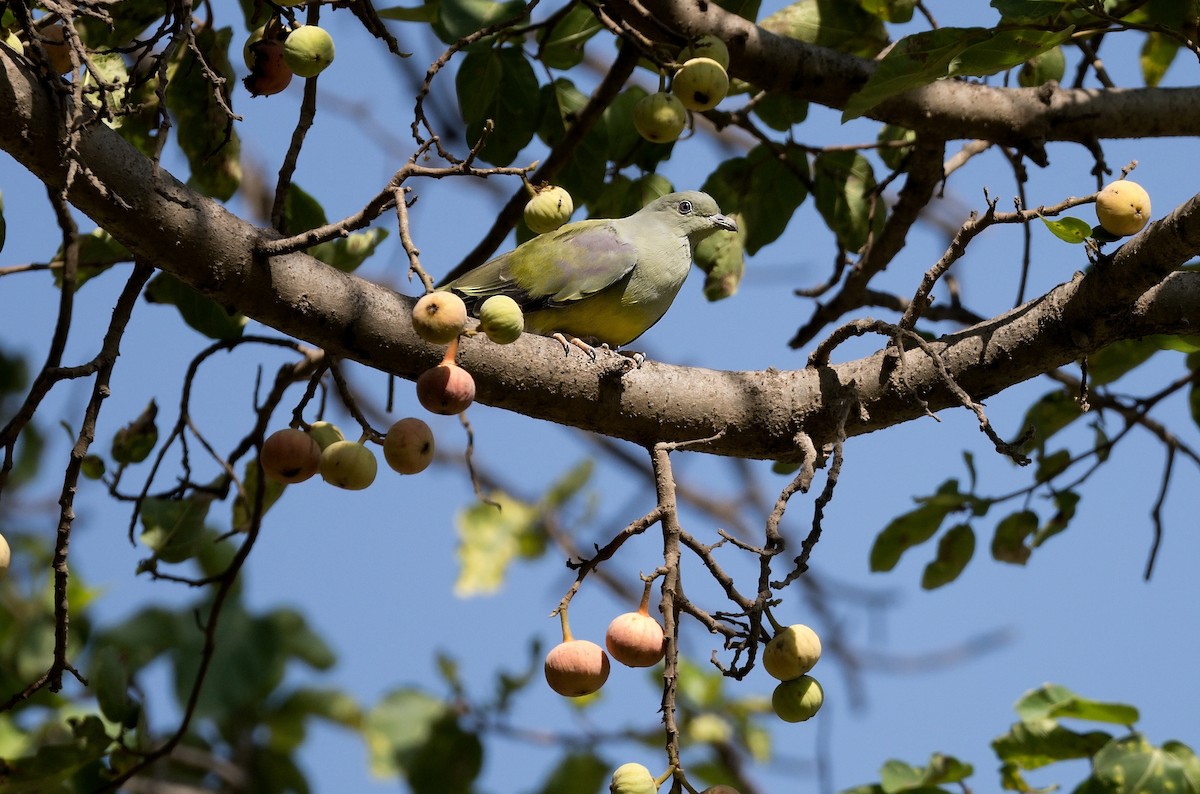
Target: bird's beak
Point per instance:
(724, 222)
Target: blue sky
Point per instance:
(374, 569)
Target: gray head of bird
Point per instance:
(694, 214)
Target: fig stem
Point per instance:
(774, 622)
(451, 352)
(566, 625)
(644, 607)
(658, 781)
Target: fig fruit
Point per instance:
(325, 433)
(290, 456)
(54, 39)
(408, 446)
(349, 465)
(797, 700)
(549, 209)
(792, 652)
(660, 117)
(720, 790)
(700, 84)
(632, 779)
(707, 46)
(635, 639)
(576, 667)
(447, 389)
(501, 319)
(1123, 207)
(439, 317)
(269, 72)
(14, 43)
(308, 50)
(5, 557)
(1042, 68)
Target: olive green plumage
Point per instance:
(606, 281)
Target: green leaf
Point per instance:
(173, 528)
(781, 111)
(1069, 229)
(896, 11)
(1066, 502)
(1131, 765)
(1110, 363)
(577, 773)
(624, 196)
(54, 764)
(203, 128)
(124, 20)
(1194, 402)
(426, 14)
(1008, 543)
(763, 188)
(1036, 743)
(347, 253)
(301, 211)
(894, 156)
(955, 549)
(109, 679)
(459, 18)
(844, 189)
(897, 776)
(202, 314)
(1052, 412)
(288, 722)
(1052, 465)
(627, 147)
(98, 251)
(916, 526)
(722, 257)
(1004, 49)
(1158, 52)
(413, 734)
(836, 24)
(1052, 701)
(490, 538)
(500, 85)
(569, 485)
(1050, 13)
(582, 175)
(134, 442)
(561, 47)
(243, 506)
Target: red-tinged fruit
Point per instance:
(447, 389)
(439, 317)
(269, 73)
(349, 465)
(58, 51)
(290, 456)
(635, 639)
(408, 447)
(575, 668)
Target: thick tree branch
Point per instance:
(947, 109)
(758, 414)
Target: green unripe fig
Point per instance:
(349, 465)
(660, 117)
(308, 50)
(446, 389)
(1042, 68)
(575, 668)
(549, 209)
(501, 319)
(325, 433)
(5, 557)
(797, 700)
(632, 779)
(439, 317)
(1123, 207)
(408, 446)
(700, 84)
(250, 47)
(290, 456)
(792, 652)
(707, 46)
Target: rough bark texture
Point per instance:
(758, 414)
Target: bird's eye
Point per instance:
(685, 208)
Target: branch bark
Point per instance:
(753, 414)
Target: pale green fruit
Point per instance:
(248, 48)
(700, 84)
(308, 50)
(792, 652)
(325, 433)
(5, 557)
(501, 319)
(1123, 207)
(290, 456)
(632, 779)
(707, 46)
(439, 317)
(14, 43)
(549, 209)
(575, 668)
(349, 465)
(797, 700)
(660, 117)
(1042, 68)
(408, 446)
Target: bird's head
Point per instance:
(694, 214)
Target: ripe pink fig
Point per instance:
(635, 639)
(446, 389)
(576, 667)
(290, 456)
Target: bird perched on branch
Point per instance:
(605, 281)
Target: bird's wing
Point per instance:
(555, 268)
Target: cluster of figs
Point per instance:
(276, 52)
(699, 84)
(293, 455)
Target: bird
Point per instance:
(606, 281)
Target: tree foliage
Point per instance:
(128, 112)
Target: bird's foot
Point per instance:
(567, 344)
(634, 358)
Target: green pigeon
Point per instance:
(605, 281)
